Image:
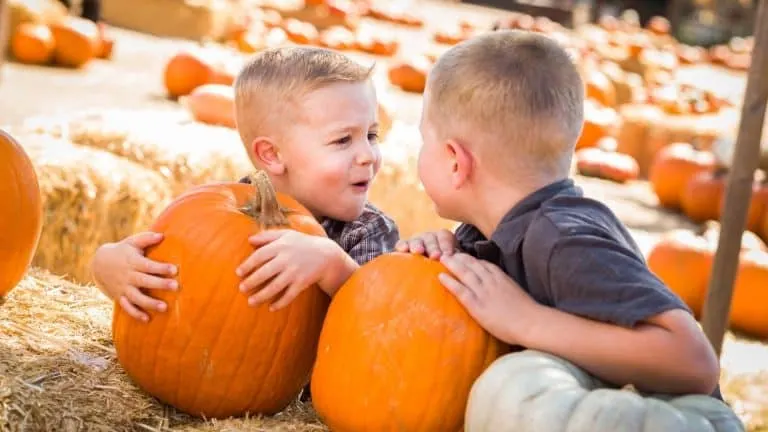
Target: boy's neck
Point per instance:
(490, 206)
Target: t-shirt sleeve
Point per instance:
(597, 277)
(366, 241)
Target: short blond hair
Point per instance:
(517, 88)
(272, 80)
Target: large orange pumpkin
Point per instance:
(211, 354)
(21, 215)
(398, 351)
(672, 169)
(750, 294)
(77, 41)
(32, 43)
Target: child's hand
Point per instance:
(432, 244)
(122, 271)
(492, 298)
(288, 262)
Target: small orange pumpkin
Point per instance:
(21, 218)
(32, 43)
(410, 74)
(300, 32)
(376, 42)
(700, 200)
(338, 38)
(608, 165)
(188, 69)
(397, 346)
(599, 87)
(211, 354)
(683, 260)
(212, 103)
(599, 122)
(750, 294)
(77, 41)
(673, 167)
(758, 205)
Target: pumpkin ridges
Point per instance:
(405, 343)
(173, 374)
(20, 225)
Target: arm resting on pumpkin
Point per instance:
(340, 267)
(664, 354)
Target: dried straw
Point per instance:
(89, 197)
(58, 370)
(185, 152)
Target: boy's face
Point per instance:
(330, 150)
(435, 166)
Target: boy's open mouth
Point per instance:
(361, 184)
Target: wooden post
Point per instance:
(739, 187)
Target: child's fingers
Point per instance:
(148, 281)
(144, 240)
(265, 237)
(143, 264)
(132, 310)
(416, 245)
(401, 246)
(255, 260)
(143, 301)
(463, 293)
(431, 246)
(270, 290)
(261, 275)
(446, 241)
(463, 269)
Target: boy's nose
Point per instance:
(365, 155)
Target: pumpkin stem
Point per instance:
(264, 206)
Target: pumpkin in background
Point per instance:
(398, 351)
(599, 87)
(532, 391)
(212, 103)
(21, 218)
(750, 294)
(700, 200)
(189, 69)
(673, 167)
(606, 164)
(599, 122)
(211, 354)
(758, 206)
(32, 43)
(410, 74)
(77, 41)
(683, 260)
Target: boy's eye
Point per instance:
(373, 136)
(344, 140)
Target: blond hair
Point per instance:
(518, 89)
(272, 80)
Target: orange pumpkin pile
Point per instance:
(397, 351)
(211, 354)
(683, 261)
(69, 42)
(21, 217)
(603, 162)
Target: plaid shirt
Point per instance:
(373, 233)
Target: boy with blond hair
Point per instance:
(535, 262)
(307, 117)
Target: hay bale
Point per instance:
(89, 197)
(37, 11)
(397, 189)
(186, 19)
(185, 152)
(58, 370)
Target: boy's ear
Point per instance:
(266, 155)
(462, 163)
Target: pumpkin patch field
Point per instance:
(106, 131)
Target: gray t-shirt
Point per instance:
(572, 253)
